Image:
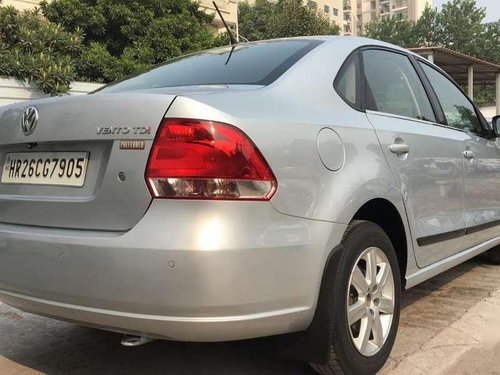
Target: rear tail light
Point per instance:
(194, 159)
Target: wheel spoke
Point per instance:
(365, 332)
(356, 312)
(386, 305)
(359, 281)
(383, 275)
(371, 267)
(378, 332)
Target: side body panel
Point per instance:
(430, 177)
(482, 190)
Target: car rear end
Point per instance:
(149, 213)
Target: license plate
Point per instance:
(45, 168)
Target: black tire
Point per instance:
(344, 357)
(493, 255)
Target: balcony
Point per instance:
(399, 4)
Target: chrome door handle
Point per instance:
(399, 148)
(468, 154)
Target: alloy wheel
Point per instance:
(370, 301)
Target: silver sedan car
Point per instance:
(293, 186)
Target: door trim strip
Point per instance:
(480, 227)
(440, 237)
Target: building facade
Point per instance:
(333, 10)
(349, 22)
(21, 4)
(367, 11)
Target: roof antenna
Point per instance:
(231, 35)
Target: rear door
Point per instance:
(481, 160)
(425, 158)
(78, 162)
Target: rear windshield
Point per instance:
(259, 63)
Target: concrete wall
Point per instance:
(488, 112)
(13, 90)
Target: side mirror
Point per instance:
(495, 124)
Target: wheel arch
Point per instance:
(383, 213)
(313, 345)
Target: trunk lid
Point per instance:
(115, 131)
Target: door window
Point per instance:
(458, 110)
(393, 86)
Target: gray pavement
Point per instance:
(446, 328)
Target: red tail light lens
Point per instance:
(194, 159)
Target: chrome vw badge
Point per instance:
(29, 121)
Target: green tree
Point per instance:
(283, 18)
(396, 30)
(489, 42)
(427, 29)
(38, 51)
(254, 19)
(461, 26)
(458, 26)
(122, 37)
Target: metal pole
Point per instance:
(430, 57)
(237, 24)
(470, 81)
(498, 93)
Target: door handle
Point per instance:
(468, 154)
(399, 148)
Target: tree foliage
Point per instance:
(121, 37)
(396, 30)
(38, 51)
(458, 26)
(267, 19)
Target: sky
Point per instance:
(492, 8)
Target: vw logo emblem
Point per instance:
(29, 121)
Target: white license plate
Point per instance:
(45, 168)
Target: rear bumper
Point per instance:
(174, 328)
(190, 271)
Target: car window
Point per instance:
(458, 110)
(259, 63)
(393, 86)
(347, 81)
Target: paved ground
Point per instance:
(450, 325)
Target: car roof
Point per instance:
(354, 41)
